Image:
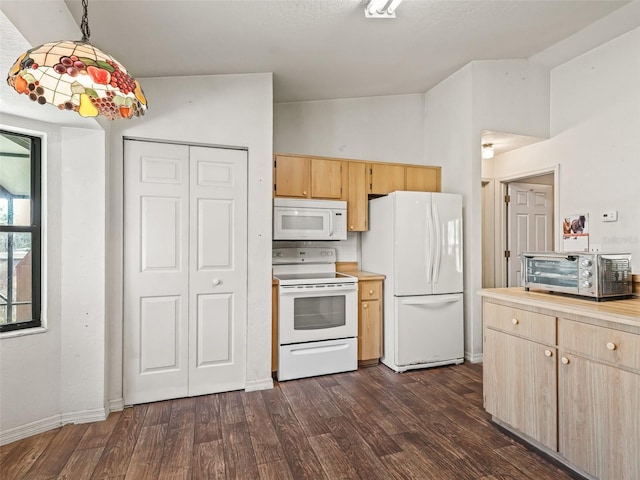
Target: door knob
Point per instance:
(216, 281)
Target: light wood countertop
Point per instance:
(363, 276)
(621, 314)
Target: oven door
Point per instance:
(317, 312)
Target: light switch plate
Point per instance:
(610, 216)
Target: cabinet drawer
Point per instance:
(600, 343)
(535, 326)
(370, 290)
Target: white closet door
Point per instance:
(218, 270)
(185, 283)
(156, 271)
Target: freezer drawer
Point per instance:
(429, 329)
(317, 358)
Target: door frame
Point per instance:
(501, 215)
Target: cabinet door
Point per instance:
(520, 385)
(599, 421)
(326, 178)
(357, 201)
(385, 178)
(422, 179)
(291, 176)
(370, 330)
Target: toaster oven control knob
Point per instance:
(586, 273)
(586, 262)
(586, 284)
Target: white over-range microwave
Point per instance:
(303, 219)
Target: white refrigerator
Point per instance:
(415, 239)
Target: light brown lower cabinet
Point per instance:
(578, 397)
(520, 378)
(599, 403)
(370, 321)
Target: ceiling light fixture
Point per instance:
(381, 8)
(75, 75)
(487, 151)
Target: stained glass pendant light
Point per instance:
(75, 75)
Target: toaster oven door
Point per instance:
(560, 274)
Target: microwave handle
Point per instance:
(331, 223)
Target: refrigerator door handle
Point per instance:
(439, 239)
(432, 300)
(428, 251)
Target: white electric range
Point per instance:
(317, 313)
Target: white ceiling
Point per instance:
(324, 49)
(317, 49)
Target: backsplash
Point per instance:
(346, 250)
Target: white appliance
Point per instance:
(415, 239)
(303, 219)
(317, 314)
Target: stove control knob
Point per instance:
(586, 274)
(586, 262)
(586, 284)
(279, 254)
(330, 253)
(323, 254)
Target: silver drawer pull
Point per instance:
(565, 360)
(515, 321)
(548, 353)
(611, 346)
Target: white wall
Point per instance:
(595, 120)
(58, 375)
(386, 129)
(500, 95)
(231, 110)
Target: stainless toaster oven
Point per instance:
(596, 275)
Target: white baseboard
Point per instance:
(473, 358)
(116, 404)
(55, 421)
(254, 385)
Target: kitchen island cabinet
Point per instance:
(596, 376)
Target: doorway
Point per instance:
(185, 270)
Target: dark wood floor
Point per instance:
(370, 424)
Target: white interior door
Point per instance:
(156, 271)
(530, 224)
(184, 271)
(218, 270)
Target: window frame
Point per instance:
(35, 229)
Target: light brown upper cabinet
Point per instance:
(291, 176)
(357, 199)
(422, 179)
(385, 178)
(308, 177)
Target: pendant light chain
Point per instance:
(84, 25)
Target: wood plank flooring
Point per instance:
(369, 424)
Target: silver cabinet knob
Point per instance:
(611, 346)
(216, 281)
(515, 321)
(565, 360)
(548, 353)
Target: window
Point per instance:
(20, 231)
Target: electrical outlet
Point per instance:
(595, 247)
(610, 216)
